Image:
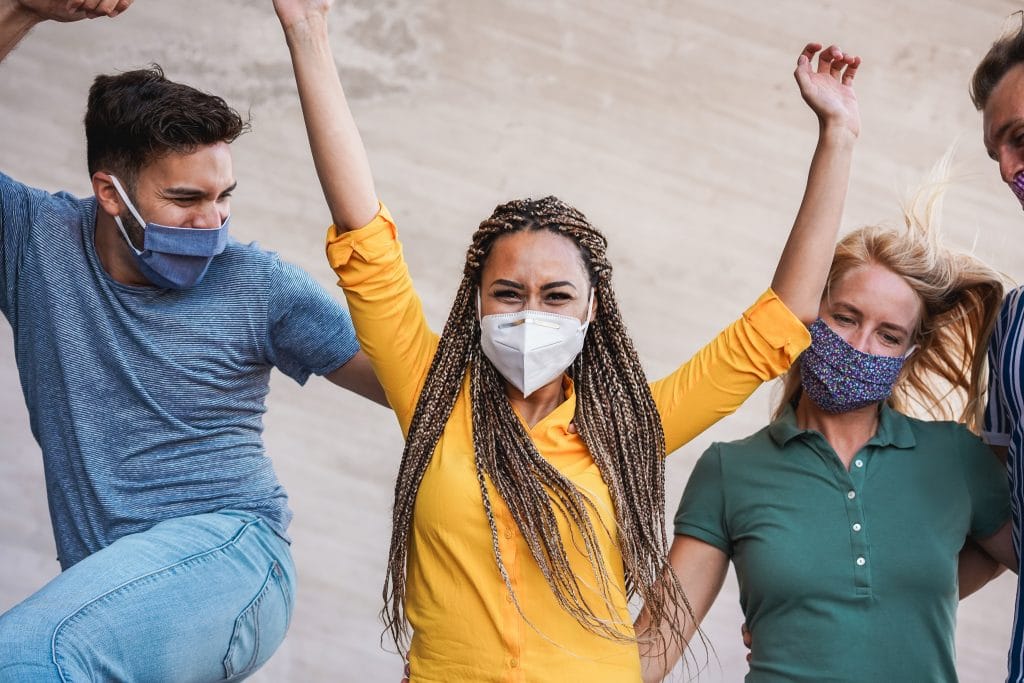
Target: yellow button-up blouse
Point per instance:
(465, 624)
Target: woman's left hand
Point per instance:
(828, 89)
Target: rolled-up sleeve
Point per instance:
(759, 346)
(386, 311)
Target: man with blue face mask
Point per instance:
(144, 339)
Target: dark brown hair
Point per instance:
(615, 415)
(138, 116)
(1005, 53)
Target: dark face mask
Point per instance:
(1017, 187)
(838, 378)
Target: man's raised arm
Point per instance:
(17, 17)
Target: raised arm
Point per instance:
(828, 90)
(338, 152)
(765, 342)
(18, 17)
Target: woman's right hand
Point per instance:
(828, 89)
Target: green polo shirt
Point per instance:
(848, 575)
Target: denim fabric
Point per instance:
(201, 598)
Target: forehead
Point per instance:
(534, 256)
(208, 166)
(879, 294)
(1005, 105)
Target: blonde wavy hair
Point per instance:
(945, 377)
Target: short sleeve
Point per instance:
(701, 511)
(997, 426)
(308, 330)
(987, 484)
(17, 205)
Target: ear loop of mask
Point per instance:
(131, 208)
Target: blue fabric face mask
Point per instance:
(173, 258)
(838, 378)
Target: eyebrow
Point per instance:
(543, 288)
(192, 192)
(1001, 132)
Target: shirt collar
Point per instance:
(893, 429)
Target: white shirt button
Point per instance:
(856, 526)
(861, 561)
(858, 462)
(851, 495)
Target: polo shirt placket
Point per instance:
(850, 485)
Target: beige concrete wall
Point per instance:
(675, 125)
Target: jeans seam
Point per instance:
(274, 578)
(127, 584)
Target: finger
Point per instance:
(825, 59)
(808, 53)
(105, 7)
(121, 7)
(838, 64)
(851, 70)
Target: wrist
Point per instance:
(305, 27)
(837, 134)
(17, 16)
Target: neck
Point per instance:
(845, 432)
(539, 404)
(114, 253)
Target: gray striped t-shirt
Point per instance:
(148, 403)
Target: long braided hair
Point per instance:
(615, 416)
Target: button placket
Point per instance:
(860, 554)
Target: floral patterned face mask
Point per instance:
(838, 378)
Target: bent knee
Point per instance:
(26, 646)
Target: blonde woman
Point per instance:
(844, 517)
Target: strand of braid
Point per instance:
(615, 416)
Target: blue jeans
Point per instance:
(201, 598)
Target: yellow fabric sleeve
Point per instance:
(760, 345)
(386, 311)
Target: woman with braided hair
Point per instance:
(529, 505)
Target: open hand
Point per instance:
(828, 89)
(73, 10)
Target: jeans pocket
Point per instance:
(260, 628)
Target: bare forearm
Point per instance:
(15, 23)
(700, 569)
(338, 152)
(806, 258)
